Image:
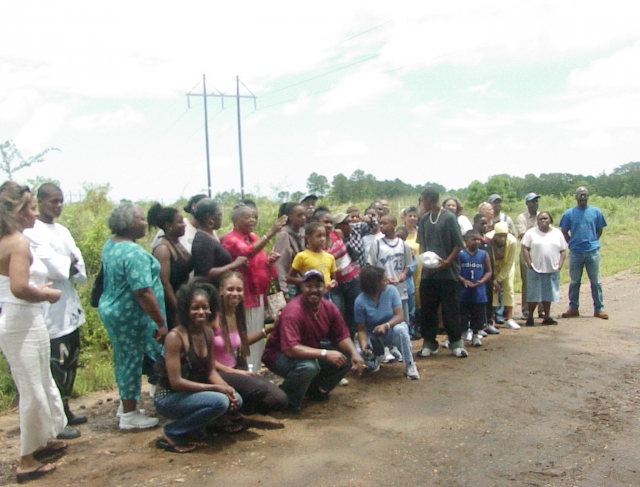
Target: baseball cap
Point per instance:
(501, 227)
(339, 217)
(494, 197)
(311, 273)
(309, 197)
(531, 197)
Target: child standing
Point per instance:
(313, 257)
(475, 271)
(403, 233)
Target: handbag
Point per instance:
(275, 302)
(97, 288)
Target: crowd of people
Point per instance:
(356, 289)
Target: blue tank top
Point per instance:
(472, 269)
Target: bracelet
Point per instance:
(264, 332)
(265, 237)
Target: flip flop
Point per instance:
(35, 474)
(53, 450)
(166, 446)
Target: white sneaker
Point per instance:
(343, 382)
(388, 356)
(459, 352)
(135, 420)
(152, 391)
(121, 410)
(468, 335)
(396, 353)
(445, 343)
(412, 372)
(511, 324)
(477, 340)
(427, 352)
(482, 333)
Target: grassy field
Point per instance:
(87, 223)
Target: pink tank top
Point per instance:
(220, 351)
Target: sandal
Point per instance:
(42, 470)
(54, 449)
(549, 321)
(163, 444)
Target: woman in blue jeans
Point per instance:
(190, 391)
(379, 314)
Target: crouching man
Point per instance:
(311, 349)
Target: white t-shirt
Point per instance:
(544, 248)
(54, 245)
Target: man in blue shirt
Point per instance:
(582, 226)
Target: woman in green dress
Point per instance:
(131, 308)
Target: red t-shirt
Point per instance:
(301, 326)
(257, 273)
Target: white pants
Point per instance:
(255, 322)
(25, 343)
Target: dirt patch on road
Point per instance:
(543, 406)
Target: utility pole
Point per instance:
(222, 96)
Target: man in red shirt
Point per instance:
(296, 349)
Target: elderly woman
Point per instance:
(175, 260)
(24, 338)
(378, 314)
(544, 250)
(131, 308)
(259, 271)
(210, 258)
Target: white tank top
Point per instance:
(37, 277)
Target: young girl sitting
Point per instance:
(231, 346)
(190, 390)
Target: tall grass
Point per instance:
(87, 222)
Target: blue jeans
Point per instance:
(591, 262)
(192, 411)
(299, 374)
(398, 336)
(344, 297)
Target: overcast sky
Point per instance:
(446, 92)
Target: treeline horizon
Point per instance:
(624, 180)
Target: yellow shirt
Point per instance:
(322, 261)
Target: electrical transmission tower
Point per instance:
(222, 96)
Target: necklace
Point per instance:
(437, 218)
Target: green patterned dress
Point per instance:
(127, 268)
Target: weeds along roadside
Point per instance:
(87, 222)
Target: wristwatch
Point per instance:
(323, 353)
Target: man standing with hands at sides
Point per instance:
(582, 227)
(439, 232)
(524, 222)
(55, 246)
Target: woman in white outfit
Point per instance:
(23, 334)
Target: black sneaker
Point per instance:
(315, 394)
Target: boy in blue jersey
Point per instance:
(475, 271)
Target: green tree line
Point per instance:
(623, 181)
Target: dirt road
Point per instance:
(544, 406)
